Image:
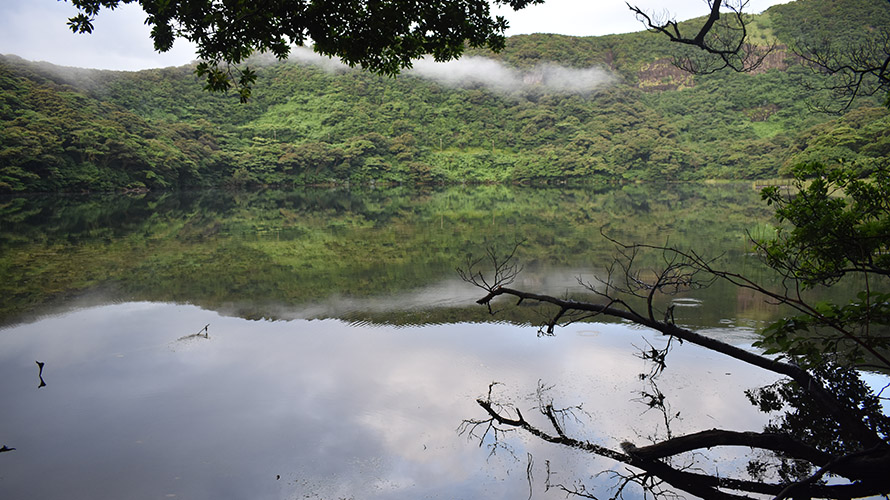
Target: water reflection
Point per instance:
(40, 366)
(345, 350)
(334, 410)
(335, 253)
(203, 333)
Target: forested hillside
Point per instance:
(547, 109)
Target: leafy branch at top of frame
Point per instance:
(381, 37)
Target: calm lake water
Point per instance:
(318, 344)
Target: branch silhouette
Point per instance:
(863, 467)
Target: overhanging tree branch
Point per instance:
(862, 70)
(860, 462)
(724, 38)
(382, 37)
(799, 375)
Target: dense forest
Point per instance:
(547, 109)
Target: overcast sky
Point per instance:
(36, 29)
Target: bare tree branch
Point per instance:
(863, 464)
(862, 70)
(649, 458)
(796, 373)
(724, 38)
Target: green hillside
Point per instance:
(547, 109)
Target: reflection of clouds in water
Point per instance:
(334, 410)
(449, 292)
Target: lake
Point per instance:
(320, 344)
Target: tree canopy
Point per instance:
(381, 36)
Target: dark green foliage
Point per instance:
(839, 224)
(383, 37)
(837, 227)
(798, 416)
(813, 22)
(55, 138)
(849, 40)
(862, 135)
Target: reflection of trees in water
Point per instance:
(257, 251)
(826, 423)
(76, 218)
(789, 458)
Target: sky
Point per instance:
(36, 29)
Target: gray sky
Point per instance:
(36, 29)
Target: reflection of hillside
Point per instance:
(444, 297)
(341, 252)
(752, 306)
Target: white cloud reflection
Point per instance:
(335, 410)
